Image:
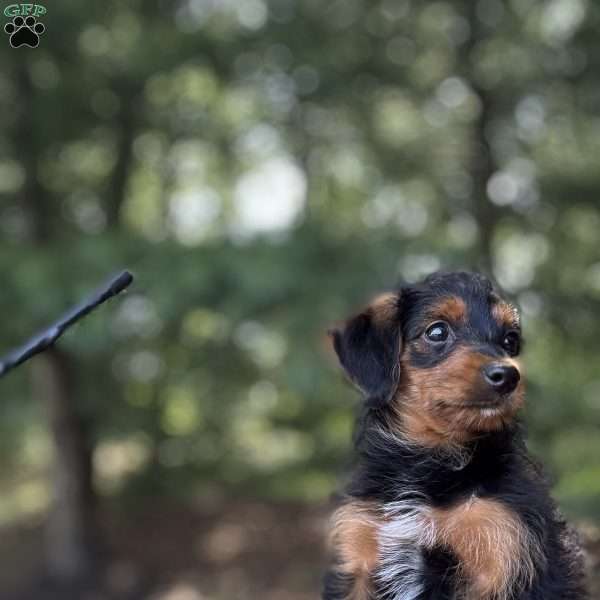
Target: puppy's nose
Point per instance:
(502, 378)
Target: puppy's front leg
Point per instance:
(340, 586)
(354, 539)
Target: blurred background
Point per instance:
(264, 167)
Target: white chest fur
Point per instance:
(384, 544)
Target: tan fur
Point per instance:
(384, 308)
(450, 309)
(493, 546)
(431, 407)
(355, 541)
(505, 314)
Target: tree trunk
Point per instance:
(482, 165)
(69, 534)
(126, 132)
(482, 168)
(69, 530)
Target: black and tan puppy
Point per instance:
(445, 503)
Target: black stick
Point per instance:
(44, 340)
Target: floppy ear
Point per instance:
(368, 347)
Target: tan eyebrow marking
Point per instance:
(451, 308)
(506, 314)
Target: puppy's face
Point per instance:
(442, 355)
(459, 365)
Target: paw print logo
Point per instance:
(24, 32)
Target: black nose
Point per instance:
(502, 378)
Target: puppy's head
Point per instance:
(441, 355)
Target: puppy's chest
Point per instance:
(385, 544)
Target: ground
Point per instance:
(241, 551)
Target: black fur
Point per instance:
(495, 465)
(369, 354)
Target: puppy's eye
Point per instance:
(437, 332)
(512, 342)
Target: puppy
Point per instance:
(444, 503)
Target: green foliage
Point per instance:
(263, 167)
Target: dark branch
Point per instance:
(44, 340)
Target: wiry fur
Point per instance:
(445, 503)
(409, 527)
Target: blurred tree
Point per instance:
(263, 166)
(69, 530)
